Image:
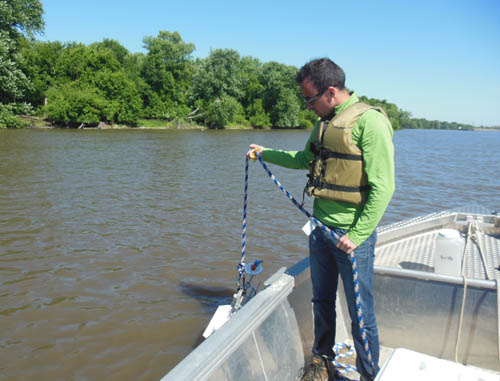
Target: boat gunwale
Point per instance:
(435, 277)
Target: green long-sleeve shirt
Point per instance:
(373, 134)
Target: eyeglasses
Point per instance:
(310, 100)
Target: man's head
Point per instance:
(323, 73)
(322, 83)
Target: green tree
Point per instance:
(131, 64)
(13, 82)
(167, 70)
(96, 70)
(395, 115)
(18, 18)
(285, 113)
(78, 62)
(219, 74)
(72, 105)
(40, 65)
(281, 94)
(307, 118)
(119, 51)
(257, 115)
(124, 103)
(221, 111)
(218, 82)
(251, 70)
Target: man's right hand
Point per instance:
(254, 151)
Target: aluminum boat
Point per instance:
(436, 291)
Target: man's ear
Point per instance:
(332, 91)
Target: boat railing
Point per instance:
(264, 328)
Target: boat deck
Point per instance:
(418, 253)
(390, 360)
(417, 250)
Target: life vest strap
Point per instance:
(325, 154)
(341, 188)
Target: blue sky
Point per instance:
(439, 59)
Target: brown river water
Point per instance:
(117, 246)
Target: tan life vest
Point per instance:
(337, 172)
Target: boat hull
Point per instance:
(271, 336)
(420, 309)
(424, 316)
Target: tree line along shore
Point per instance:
(73, 85)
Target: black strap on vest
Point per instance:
(341, 188)
(325, 153)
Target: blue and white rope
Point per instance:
(343, 345)
(335, 239)
(241, 266)
(345, 368)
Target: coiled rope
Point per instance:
(335, 237)
(346, 368)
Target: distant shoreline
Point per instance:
(40, 123)
(486, 129)
(183, 127)
(231, 128)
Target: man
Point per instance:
(350, 157)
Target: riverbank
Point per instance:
(152, 124)
(486, 129)
(143, 124)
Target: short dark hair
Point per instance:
(323, 73)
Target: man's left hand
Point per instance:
(346, 244)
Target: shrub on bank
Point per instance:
(222, 111)
(8, 117)
(70, 105)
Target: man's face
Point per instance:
(317, 100)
